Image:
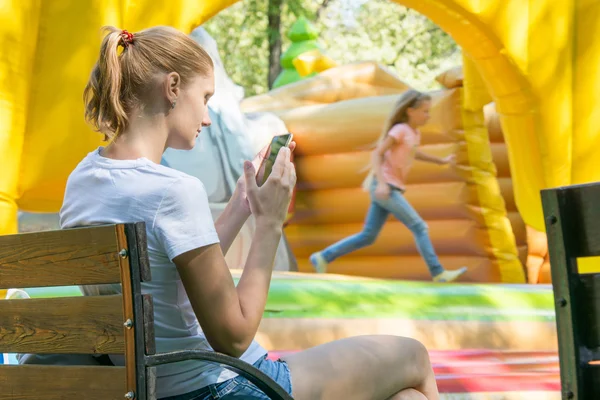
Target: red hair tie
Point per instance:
(126, 38)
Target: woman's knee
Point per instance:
(415, 357)
(419, 351)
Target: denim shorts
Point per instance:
(240, 388)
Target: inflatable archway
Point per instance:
(537, 58)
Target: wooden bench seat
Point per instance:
(112, 324)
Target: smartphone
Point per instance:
(267, 163)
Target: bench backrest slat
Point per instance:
(48, 382)
(572, 215)
(70, 325)
(577, 209)
(83, 256)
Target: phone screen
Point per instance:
(276, 144)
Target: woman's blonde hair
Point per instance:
(399, 115)
(121, 79)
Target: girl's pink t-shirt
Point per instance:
(398, 160)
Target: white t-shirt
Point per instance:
(175, 208)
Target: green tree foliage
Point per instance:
(350, 31)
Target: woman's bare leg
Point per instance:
(376, 367)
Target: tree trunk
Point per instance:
(274, 32)
(321, 9)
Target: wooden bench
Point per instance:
(112, 324)
(572, 216)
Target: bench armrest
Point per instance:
(254, 375)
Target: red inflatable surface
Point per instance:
(485, 371)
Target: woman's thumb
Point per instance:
(250, 175)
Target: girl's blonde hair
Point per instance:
(409, 99)
(399, 115)
(121, 79)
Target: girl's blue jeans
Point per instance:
(400, 208)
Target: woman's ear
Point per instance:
(172, 86)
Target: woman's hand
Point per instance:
(382, 191)
(239, 196)
(269, 203)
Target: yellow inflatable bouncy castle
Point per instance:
(334, 155)
(531, 244)
(336, 118)
(532, 247)
(537, 59)
(468, 209)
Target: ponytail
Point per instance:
(102, 95)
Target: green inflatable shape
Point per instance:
(295, 49)
(298, 298)
(313, 298)
(303, 35)
(286, 77)
(301, 30)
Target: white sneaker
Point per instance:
(450, 275)
(318, 262)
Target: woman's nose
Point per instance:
(206, 120)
